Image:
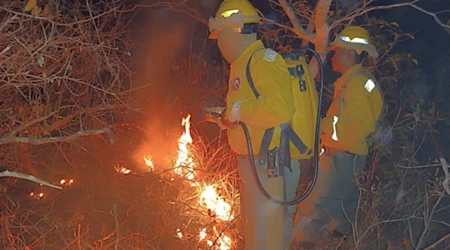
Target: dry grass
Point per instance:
(66, 74)
(104, 209)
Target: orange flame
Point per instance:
(185, 164)
(66, 182)
(208, 197)
(149, 163)
(211, 200)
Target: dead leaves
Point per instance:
(338, 12)
(36, 8)
(415, 61)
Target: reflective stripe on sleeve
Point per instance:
(334, 136)
(369, 86)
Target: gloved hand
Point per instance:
(226, 122)
(217, 115)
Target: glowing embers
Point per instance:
(122, 169)
(149, 163)
(65, 182)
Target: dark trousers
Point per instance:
(333, 202)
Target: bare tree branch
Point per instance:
(364, 10)
(427, 221)
(298, 29)
(446, 182)
(322, 27)
(178, 6)
(116, 220)
(418, 167)
(28, 177)
(435, 244)
(40, 141)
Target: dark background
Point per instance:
(165, 37)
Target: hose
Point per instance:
(316, 146)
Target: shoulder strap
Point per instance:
(249, 75)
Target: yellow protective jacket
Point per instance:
(354, 112)
(275, 104)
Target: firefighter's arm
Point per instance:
(275, 104)
(359, 118)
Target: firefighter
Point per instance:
(353, 115)
(235, 26)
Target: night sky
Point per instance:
(431, 40)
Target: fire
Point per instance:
(209, 200)
(202, 235)
(37, 196)
(149, 163)
(122, 170)
(185, 164)
(179, 234)
(66, 182)
(224, 243)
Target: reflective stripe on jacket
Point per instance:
(353, 114)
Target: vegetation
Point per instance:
(65, 91)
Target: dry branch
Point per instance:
(27, 177)
(364, 9)
(298, 29)
(446, 182)
(65, 73)
(435, 244)
(69, 138)
(322, 26)
(116, 222)
(321, 21)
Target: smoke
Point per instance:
(161, 145)
(160, 36)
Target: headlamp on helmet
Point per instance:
(238, 15)
(233, 19)
(354, 40)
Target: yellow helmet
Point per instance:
(356, 38)
(239, 15)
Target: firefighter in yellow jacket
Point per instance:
(352, 117)
(235, 26)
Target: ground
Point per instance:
(104, 208)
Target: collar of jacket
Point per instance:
(245, 56)
(349, 73)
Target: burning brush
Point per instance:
(208, 198)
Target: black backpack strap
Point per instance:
(249, 75)
(295, 139)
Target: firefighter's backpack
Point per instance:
(301, 129)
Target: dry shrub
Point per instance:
(66, 75)
(65, 72)
(103, 208)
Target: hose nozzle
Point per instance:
(210, 114)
